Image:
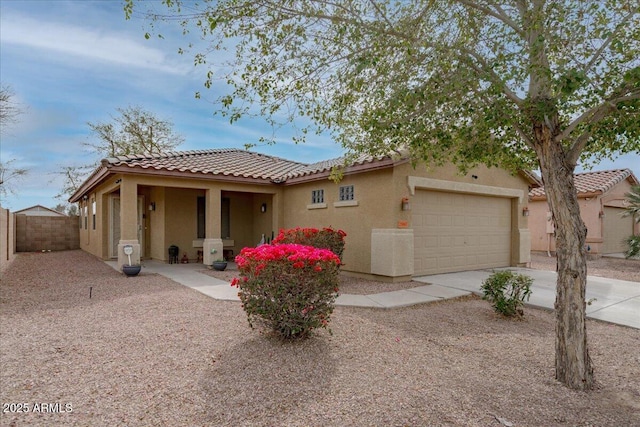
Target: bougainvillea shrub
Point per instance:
(288, 288)
(326, 238)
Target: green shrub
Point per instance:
(325, 238)
(289, 288)
(633, 247)
(507, 291)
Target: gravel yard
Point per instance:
(147, 351)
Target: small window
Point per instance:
(317, 196)
(346, 193)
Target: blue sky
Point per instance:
(73, 62)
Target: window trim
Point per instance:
(317, 196)
(347, 191)
(317, 206)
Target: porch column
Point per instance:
(212, 245)
(128, 222)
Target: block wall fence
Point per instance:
(7, 238)
(49, 233)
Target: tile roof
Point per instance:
(226, 161)
(593, 182)
(327, 165)
(233, 162)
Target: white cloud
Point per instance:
(86, 43)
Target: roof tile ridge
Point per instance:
(599, 172)
(616, 179)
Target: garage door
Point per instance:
(457, 232)
(616, 229)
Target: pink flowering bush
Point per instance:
(326, 238)
(289, 288)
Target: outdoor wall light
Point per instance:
(152, 206)
(263, 208)
(118, 181)
(601, 214)
(406, 206)
(525, 211)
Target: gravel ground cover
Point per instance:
(95, 348)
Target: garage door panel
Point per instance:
(616, 229)
(456, 232)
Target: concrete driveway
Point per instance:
(615, 301)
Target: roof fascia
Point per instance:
(89, 184)
(137, 170)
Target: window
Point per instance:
(85, 214)
(201, 218)
(225, 220)
(346, 193)
(317, 196)
(93, 209)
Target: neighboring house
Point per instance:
(601, 196)
(39, 210)
(400, 220)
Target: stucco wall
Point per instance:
(7, 238)
(379, 197)
(373, 192)
(37, 233)
(181, 225)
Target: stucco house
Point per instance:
(601, 196)
(39, 210)
(400, 220)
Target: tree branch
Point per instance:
(499, 14)
(599, 110)
(495, 79)
(592, 116)
(609, 39)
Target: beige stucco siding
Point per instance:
(373, 207)
(379, 197)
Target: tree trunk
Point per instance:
(573, 364)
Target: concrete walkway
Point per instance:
(615, 301)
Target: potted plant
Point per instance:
(220, 264)
(130, 269)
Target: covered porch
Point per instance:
(206, 221)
